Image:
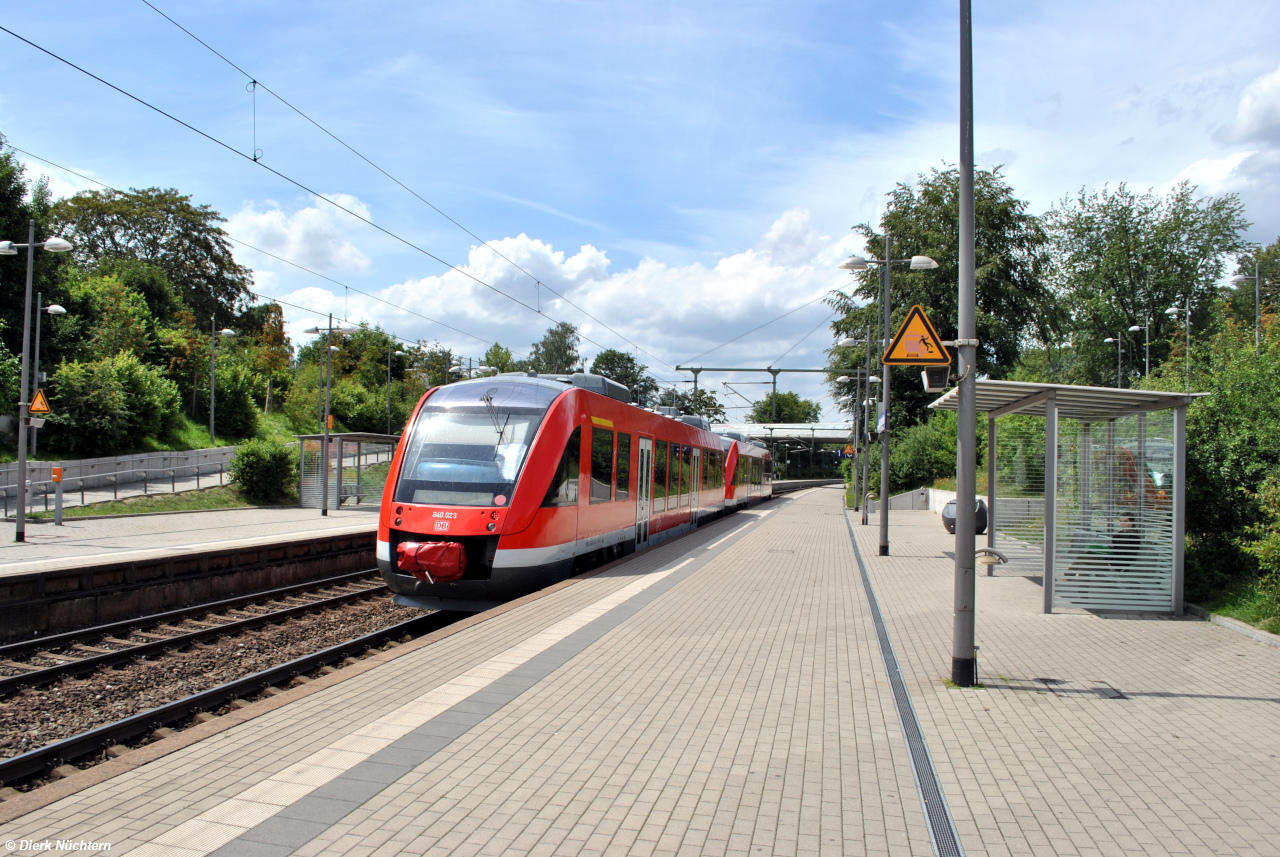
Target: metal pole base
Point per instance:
(964, 671)
(884, 550)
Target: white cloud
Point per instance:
(672, 311)
(1258, 113)
(314, 237)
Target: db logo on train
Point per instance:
(442, 526)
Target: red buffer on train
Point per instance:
(504, 485)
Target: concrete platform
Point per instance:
(86, 542)
(725, 693)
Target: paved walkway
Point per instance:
(725, 693)
(90, 541)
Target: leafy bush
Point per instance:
(264, 469)
(109, 406)
(236, 411)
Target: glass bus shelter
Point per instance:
(1088, 485)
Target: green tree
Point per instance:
(557, 352)
(116, 318)
(626, 370)
(20, 202)
(110, 405)
(703, 403)
(499, 359)
(161, 228)
(1121, 259)
(1013, 303)
(1240, 300)
(791, 409)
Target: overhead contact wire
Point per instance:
(418, 196)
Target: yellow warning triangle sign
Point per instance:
(39, 405)
(917, 343)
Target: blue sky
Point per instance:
(682, 171)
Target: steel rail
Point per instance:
(91, 663)
(25, 648)
(43, 759)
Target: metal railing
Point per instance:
(149, 477)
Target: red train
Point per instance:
(504, 485)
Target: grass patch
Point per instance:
(1246, 603)
(221, 497)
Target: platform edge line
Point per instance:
(942, 827)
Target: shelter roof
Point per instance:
(807, 432)
(1089, 404)
(351, 436)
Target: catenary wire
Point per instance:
(280, 259)
(758, 327)
(802, 339)
(300, 185)
(257, 83)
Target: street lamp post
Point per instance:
(1257, 301)
(51, 309)
(390, 354)
(328, 379)
(1146, 344)
(214, 333)
(857, 263)
(1173, 312)
(8, 248)
(1119, 342)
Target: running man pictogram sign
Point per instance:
(39, 405)
(917, 343)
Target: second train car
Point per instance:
(504, 485)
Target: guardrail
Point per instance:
(149, 477)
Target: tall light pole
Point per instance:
(1119, 342)
(1257, 301)
(41, 309)
(390, 354)
(214, 333)
(8, 248)
(1173, 312)
(857, 263)
(963, 660)
(1146, 344)
(328, 384)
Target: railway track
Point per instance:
(93, 744)
(38, 662)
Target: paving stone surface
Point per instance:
(725, 694)
(1184, 759)
(85, 541)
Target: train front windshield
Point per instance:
(469, 442)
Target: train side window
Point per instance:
(601, 465)
(686, 474)
(623, 491)
(660, 476)
(563, 490)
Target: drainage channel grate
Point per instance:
(942, 829)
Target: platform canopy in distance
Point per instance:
(1087, 404)
(806, 432)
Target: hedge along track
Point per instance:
(72, 656)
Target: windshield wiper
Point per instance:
(499, 426)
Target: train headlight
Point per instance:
(491, 527)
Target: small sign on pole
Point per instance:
(916, 343)
(39, 405)
(55, 474)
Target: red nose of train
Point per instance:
(435, 523)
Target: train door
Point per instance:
(644, 486)
(695, 479)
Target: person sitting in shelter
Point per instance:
(1126, 540)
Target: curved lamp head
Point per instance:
(922, 263)
(1240, 278)
(1135, 328)
(334, 348)
(875, 379)
(58, 245)
(847, 341)
(1110, 339)
(7, 249)
(843, 379)
(854, 263)
(226, 332)
(55, 309)
(1173, 311)
(399, 354)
